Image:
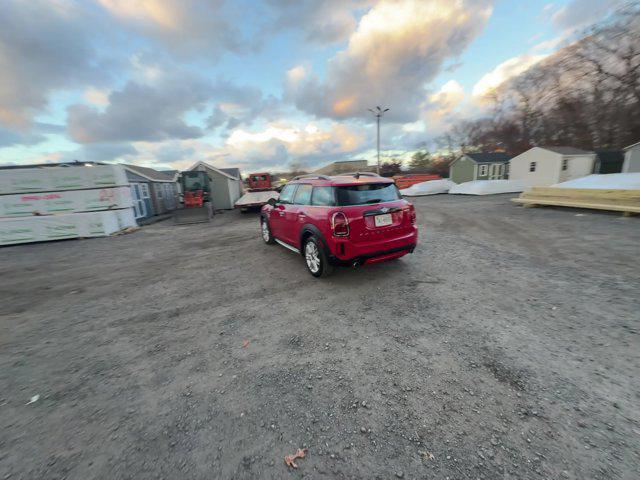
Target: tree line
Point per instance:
(587, 95)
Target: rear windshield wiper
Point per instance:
(374, 200)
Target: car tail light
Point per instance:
(340, 225)
(411, 211)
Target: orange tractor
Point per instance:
(196, 198)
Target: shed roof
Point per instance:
(232, 171)
(171, 173)
(212, 168)
(489, 157)
(567, 150)
(149, 173)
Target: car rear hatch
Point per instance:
(375, 212)
(378, 223)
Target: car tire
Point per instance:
(315, 257)
(265, 232)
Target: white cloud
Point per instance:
(96, 96)
(296, 75)
(282, 142)
(320, 21)
(182, 26)
(397, 48)
(44, 46)
(578, 14)
(506, 70)
(142, 112)
(449, 96)
(440, 109)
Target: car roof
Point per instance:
(342, 179)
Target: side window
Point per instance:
(323, 196)
(483, 170)
(565, 164)
(303, 195)
(532, 167)
(286, 196)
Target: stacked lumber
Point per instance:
(52, 203)
(626, 201)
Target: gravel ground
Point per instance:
(506, 346)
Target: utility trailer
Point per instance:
(255, 200)
(261, 189)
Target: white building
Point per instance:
(631, 159)
(226, 185)
(544, 166)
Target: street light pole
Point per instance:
(378, 112)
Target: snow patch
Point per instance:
(610, 181)
(488, 187)
(430, 187)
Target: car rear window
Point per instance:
(367, 193)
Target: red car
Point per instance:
(350, 219)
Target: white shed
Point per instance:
(226, 187)
(544, 166)
(631, 159)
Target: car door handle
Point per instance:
(281, 213)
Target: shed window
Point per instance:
(483, 170)
(565, 163)
(532, 167)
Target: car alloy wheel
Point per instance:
(265, 232)
(312, 256)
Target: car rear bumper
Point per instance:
(385, 251)
(374, 257)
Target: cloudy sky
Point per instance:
(257, 84)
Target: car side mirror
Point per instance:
(272, 201)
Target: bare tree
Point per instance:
(586, 95)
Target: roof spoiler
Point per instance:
(358, 174)
(321, 177)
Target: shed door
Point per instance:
(139, 207)
(494, 171)
(169, 196)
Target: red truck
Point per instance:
(260, 191)
(259, 182)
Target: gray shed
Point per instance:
(161, 190)
(226, 185)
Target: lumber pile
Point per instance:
(51, 203)
(626, 201)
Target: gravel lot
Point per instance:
(507, 346)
